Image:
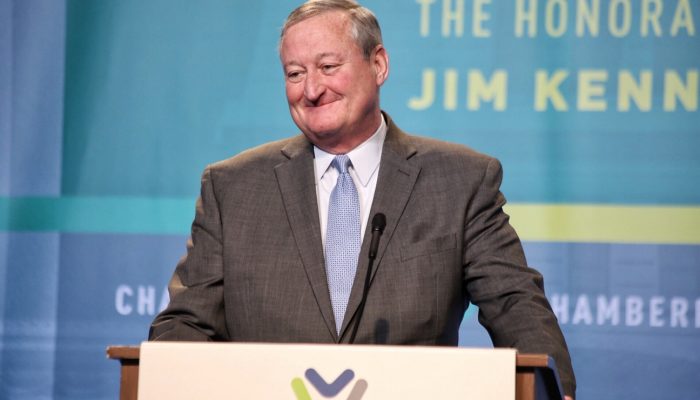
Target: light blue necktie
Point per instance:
(342, 239)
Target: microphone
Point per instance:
(378, 225)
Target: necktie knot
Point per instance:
(341, 163)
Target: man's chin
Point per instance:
(322, 130)
(324, 138)
(320, 135)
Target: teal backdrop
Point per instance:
(110, 110)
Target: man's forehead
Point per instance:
(336, 18)
(323, 24)
(318, 37)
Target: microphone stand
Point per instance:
(378, 224)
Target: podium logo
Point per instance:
(326, 389)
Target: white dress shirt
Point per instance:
(364, 171)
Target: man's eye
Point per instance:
(326, 68)
(294, 76)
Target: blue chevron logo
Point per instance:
(329, 389)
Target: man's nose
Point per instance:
(313, 86)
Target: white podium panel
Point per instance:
(176, 370)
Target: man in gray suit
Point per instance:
(268, 260)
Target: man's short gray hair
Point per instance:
(365, 27)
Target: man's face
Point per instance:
(332, 90)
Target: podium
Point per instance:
(535, 375)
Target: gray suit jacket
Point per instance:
(254, 269)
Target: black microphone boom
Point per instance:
(378, 225)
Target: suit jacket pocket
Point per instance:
(429, 246)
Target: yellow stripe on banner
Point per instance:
(604, 223)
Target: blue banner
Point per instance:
(110, 110)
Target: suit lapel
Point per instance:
(295, 178)
(397, 177)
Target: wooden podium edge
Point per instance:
(536, 378)
(536, 375)
(129, 357)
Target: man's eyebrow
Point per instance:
(319, 57)
(328, 54)
(291, 64)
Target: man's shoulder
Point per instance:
(428, 150)
(261, 157)
(431, 151)
(430, 145)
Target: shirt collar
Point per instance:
(365, 157)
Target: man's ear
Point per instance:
(380, 63)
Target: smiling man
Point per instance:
(279, 249)
(332, 84)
